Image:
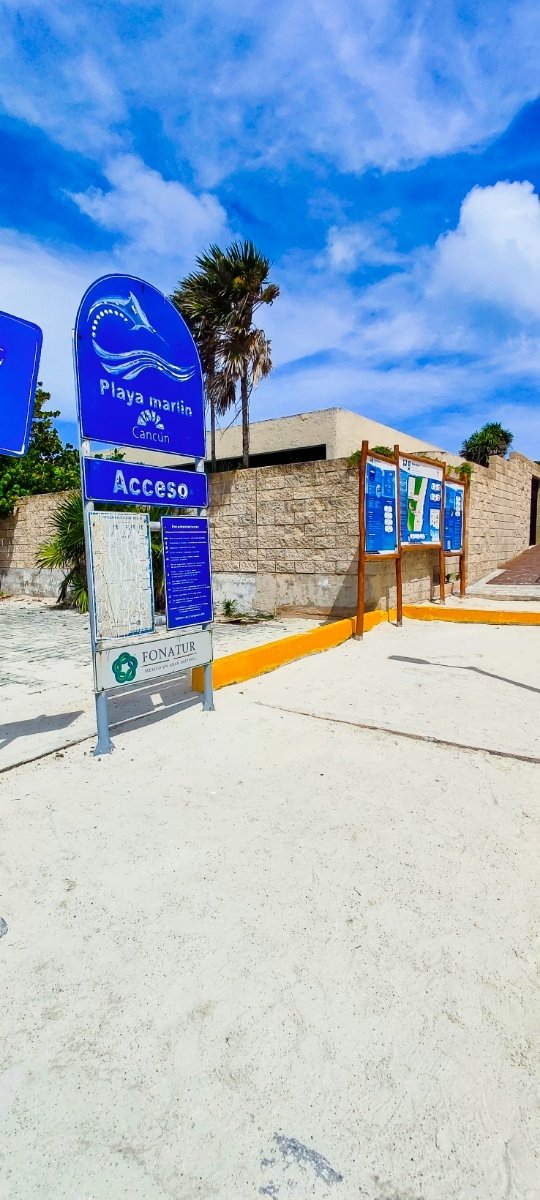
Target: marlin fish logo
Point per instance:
(115, 315)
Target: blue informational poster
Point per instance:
(186, 567)
(420, 495)
(380, 507)
(20, 350)
(113, 482)
(454, 503)
(139, 379)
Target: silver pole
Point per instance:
(104, 744)
(208, 695)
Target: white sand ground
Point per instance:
(46, 697)
(254, 953)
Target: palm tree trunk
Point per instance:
(212, 433)
(245, 418)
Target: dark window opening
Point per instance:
(535, 486)
(272, 458)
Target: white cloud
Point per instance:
(360, 244)
(381, 83)
(157, 216)
(494, 254)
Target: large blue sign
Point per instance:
(139, 378)
(113, 482)
(454, 503)
(420, 494)
(20, 350)
(186, 567)
(380, 507)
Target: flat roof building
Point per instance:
(304, 437)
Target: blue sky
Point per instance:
(385, 155)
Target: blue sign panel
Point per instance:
(380, 507)
(126, 483)
(420, 494)
(20, 350)
(454, 503)
(139, 378)
(186, 566)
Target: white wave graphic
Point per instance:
(130, 363)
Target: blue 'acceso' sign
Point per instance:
(139, 378)
(20, 350)
(113, 482)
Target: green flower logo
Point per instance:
(125, 667)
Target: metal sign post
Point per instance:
(20, 351)
(139, 385)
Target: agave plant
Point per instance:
(65, 552)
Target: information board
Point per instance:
(139, 379)
(20, 350)
(152, 658)
(186, 567)
(380, 507)
(113, 482)
(421, 488)
(454, 504)
(121, 564)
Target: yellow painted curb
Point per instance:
(470, 616)
(246, 664)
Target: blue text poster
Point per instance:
(454, 501)
(186, 566)
(420, 494)
(380, 507)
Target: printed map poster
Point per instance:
(380, 507)
(420, 492)
(454, 504)
(121, 564)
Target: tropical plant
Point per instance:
(219, 300)
(490, 439)
(65, 552)
(48, 465)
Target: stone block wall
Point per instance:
(286, 537)
(499, 513)
(21, 534)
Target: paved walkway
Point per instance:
(520, 571)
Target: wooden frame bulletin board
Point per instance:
(432, 523)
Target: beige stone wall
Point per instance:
(20, 536)
(287, 537)
(499, 513)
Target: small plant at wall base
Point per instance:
(490, 439)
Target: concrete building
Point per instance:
(305, 437)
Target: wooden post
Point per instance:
(360, 596)
(442, 559)
(399, 571)
(464, 541)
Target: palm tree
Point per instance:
(202, 304)
(219, 301)
(249, 357)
